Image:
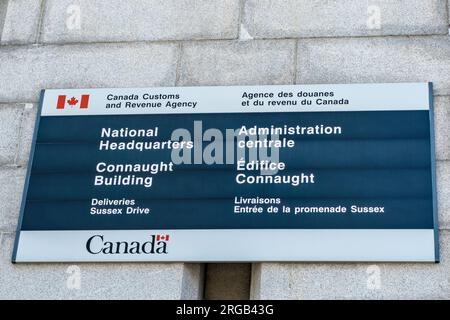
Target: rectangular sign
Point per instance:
(240, 173)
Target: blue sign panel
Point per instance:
(241, 173)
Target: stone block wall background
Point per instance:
(144, 43)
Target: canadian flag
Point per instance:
(82, 102)
(161, 237)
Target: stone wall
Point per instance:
(138, 43)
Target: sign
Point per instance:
(240, 173)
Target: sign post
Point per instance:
(241, 173)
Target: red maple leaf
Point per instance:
(72, 101)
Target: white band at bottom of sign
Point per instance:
(227, 245)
